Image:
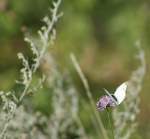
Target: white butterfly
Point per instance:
(119, 94)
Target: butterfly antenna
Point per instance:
(107, 92)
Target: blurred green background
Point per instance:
(101, 33)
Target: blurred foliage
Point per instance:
(101, 33)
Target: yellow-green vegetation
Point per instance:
(102, 35)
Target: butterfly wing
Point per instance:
(120, 92)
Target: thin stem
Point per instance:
(89, 94)
(110, 123)
(55, 17)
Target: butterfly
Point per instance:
(120, 93)
(112, 100)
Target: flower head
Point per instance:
(104, 102)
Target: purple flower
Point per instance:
(104, 102)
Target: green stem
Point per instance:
(110, 123)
